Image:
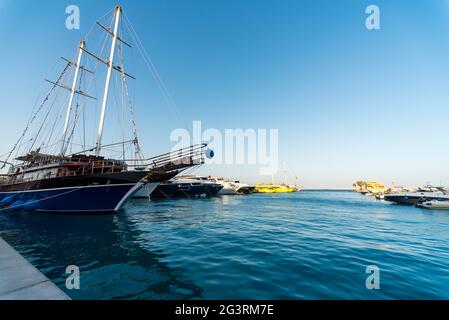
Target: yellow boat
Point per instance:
(274, 188)
(371, 186)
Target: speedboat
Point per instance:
(232, 187)
(229, 187)
(423, 194)
(379, 196)
(435, 204)
(185, 188)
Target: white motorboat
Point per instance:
(435, 204)
(423, 194)
(230, 187)
(182, 187)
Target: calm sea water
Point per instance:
(308, 245)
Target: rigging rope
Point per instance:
(150, 65)
(36, 113)
(138, 151)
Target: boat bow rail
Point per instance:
(176, 160)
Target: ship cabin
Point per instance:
(38, 166)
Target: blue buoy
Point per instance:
(209, 153)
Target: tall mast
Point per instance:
(118, 11)
(72, 94)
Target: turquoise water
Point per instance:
(307, 245)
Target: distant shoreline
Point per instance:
(327, 189)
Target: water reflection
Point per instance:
(308, 245)
(108, 250)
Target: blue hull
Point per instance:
(85, 199)
(184, 190)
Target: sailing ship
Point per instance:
(86, 181)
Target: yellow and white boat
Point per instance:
(369, 187)
(274, 188)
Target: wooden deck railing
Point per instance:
(175, 160)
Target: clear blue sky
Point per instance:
(349, 103)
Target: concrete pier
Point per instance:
(20, 280)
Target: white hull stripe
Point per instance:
(80, 211)
(128, 195)
(75, 187)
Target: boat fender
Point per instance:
(209, 153)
